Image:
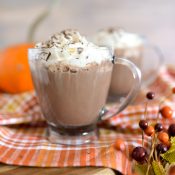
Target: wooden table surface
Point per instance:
(17, 170)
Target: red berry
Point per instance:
(161, 148)
(171, 130)
(150, 95)
(120, 144)
(171, 170)
(139, 154)
(163, 137)
(143, 124)
(166, 112)
(149, 131)
(173, 90)
(168, 144)
(158, 127)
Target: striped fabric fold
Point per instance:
(27, 145)
(23, 138)
(20, 108)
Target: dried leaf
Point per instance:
(158, 168)
(141, 169)
(170, 154)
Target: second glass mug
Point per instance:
(72, 101)
(147, 56)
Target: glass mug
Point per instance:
(72, 99)
(140, 55)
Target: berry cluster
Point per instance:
(160, 137)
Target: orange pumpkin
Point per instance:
(15, 74)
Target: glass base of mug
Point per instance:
(72, 135)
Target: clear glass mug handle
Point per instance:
(133, 92)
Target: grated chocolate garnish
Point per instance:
(49, 54)
(73, 71)
(111, 30)
(43, 55)
(113, 59)
(54, 37)
(65, 69)
(65, 34)
(79, 50)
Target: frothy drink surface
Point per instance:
(71, 79)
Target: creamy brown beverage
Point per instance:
(71, 77)
(125, 45)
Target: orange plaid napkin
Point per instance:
(23, 138)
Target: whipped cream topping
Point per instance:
(69, 47)
(117, 38)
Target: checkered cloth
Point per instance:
(23, 138)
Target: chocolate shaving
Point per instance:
(65, 34)
(49, 54)
(111, 30)
(73, 70)
(79, 50)
(113, 59)
(54, 37)
(43, 55)
(65, 69)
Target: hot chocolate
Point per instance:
(72, 77)
(125, 45)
